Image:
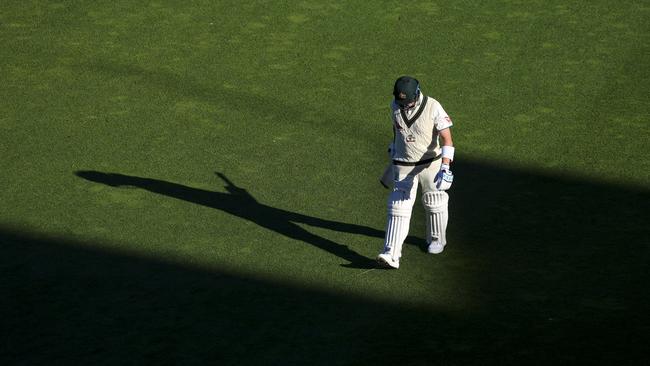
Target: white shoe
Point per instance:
(436, 247)
(386, 260)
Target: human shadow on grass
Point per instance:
(239, 202)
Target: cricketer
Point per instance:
(422, 151)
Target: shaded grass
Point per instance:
(546, 277)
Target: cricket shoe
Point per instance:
(386, 260)
(435, 247)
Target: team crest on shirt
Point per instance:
(410, 138)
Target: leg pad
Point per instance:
(436, 210)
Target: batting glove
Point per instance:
(444, 178)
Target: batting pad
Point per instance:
(397, 230)
(435, 206)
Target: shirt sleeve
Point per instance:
(440, 118)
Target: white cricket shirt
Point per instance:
(416, 130)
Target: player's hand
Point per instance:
(444, 178)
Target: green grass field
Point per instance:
(192, 183)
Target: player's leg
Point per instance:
(400, 205)
(436, 210)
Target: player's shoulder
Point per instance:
(432, 101)
(435, 105)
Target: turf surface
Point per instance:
(196, 182)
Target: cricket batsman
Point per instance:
(421, 152)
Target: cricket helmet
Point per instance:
(406, 90)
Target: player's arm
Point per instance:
(447, 146)
(442, 124)
(445, 177)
